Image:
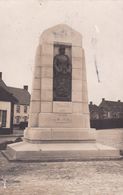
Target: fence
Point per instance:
(106, 123)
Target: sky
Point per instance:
(23, 21)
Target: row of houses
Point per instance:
(14, 106)
(106, 110)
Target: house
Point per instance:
(110, 109)
(94, 111)
(14, 106)
(7, 101)
(21, 109)
(106, 110)
(108, 115)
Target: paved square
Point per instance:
(62, 178)
(66, 178)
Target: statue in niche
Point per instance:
(62, 73)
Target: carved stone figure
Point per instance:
(62, 76)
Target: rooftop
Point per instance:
(21, 94)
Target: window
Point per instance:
(18, 108)
(25, 118)
(17, 119)
(25, 109)
(3, 116)
(109, 115)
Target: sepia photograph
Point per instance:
(61, 98)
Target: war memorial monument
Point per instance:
(59, 123)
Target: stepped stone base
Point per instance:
(51, 151)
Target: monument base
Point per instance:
(39, 135)
(67, 151)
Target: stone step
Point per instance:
(25, 151)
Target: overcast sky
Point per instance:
(23, 21)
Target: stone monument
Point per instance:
(59, 124)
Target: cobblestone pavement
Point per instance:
(63, 178)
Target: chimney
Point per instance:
(103, 99)
(119, 101)
(25, 87)
(1, 75)
(91, 103)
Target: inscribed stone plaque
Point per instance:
(63, 118)
(62, 107)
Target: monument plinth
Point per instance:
(59, 124)
(59, 103)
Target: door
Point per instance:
(3, 116)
